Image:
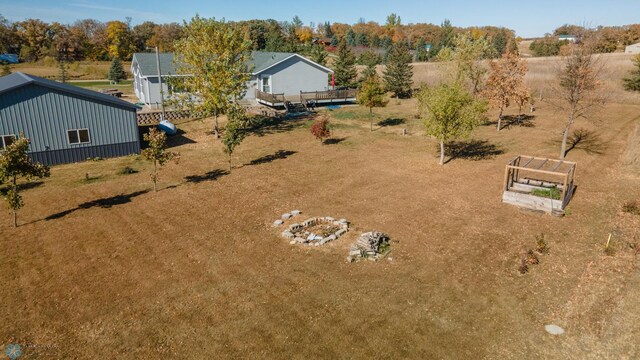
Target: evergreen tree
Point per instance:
(334, 41)
(362, 39)
(63, 74)
(632, 83)
(446, 35)
(398, 74)
(421, 51)
(370, 60)
(375, 41)
(328, 32)
(116, 72)
(14, 164)
(500, 42)
(345, 66)
(351, 37)
(319, 55)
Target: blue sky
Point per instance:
(528, 18)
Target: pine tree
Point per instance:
(116, 72)
(632, 83)
(14, 164)
(319, 55)
(398, 74)
(334, 40)
(351, 37)
(345, 66)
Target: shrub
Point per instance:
(541, 245)
(127, 171)
(631, 207)
(524, 267)
(320, 129)
(532, 258)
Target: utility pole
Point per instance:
(160, 83)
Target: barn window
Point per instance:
(78, 136)
(7, 140)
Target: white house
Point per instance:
(570, 38)
(632, 49)
(274, 73)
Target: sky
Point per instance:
(527, 18)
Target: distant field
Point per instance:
(80, 70)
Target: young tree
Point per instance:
(15, 164)
(116, 72)
(6, 70)
(579, 87)
(467, 58)
(345, 66)
(321, 128)
(449, 112)
(506, 83)
(632, 82)
(216, 54)
(157, 152)
(234, 132)
(398, 74)
(371, 94)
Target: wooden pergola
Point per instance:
(535, 183)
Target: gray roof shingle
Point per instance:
(260, 60)
(18, 79)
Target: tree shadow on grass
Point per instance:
(585, 140)
(509, 121)
(104, 203)
(334, 141)
(22, 187)
(471, 150)
(280, 154)
(265, 125)
(391, 122)
(179, 139)
(208, 176)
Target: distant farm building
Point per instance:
(632, 49)
(65, 123)
(276, 78)
(571, 38)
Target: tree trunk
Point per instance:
(500, 120)
(155, 176)
(216, 129)
(15, 212)
(229, 162)
(370, 119)
(441, 152)
(565, 137)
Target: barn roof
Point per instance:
(260, 61)
(18, 80)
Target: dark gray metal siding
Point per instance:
(81, 154)
(45, 115)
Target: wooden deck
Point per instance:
(307, 98)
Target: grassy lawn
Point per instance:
(104, 266)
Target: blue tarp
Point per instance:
(333, 107)
(9, 58)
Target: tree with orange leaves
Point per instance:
(506, 82)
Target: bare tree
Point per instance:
(579, 92)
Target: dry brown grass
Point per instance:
(80, 70)
(103, 269)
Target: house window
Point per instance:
(7, 140)
(266, 84)
(78, 136)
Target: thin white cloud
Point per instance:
(137, 14)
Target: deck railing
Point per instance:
(270, 98)
(328, 95)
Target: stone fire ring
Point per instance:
(299, 233)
